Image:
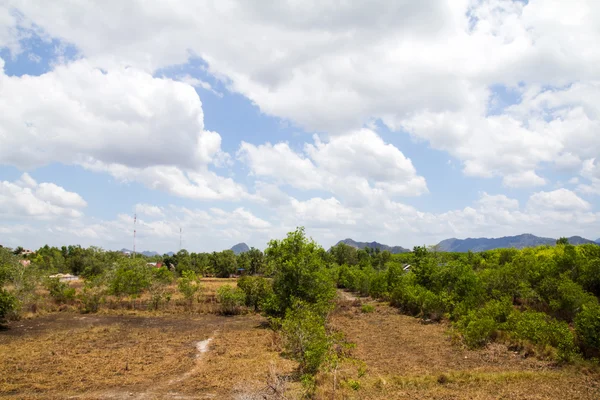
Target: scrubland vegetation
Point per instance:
(429, 324)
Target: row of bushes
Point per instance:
(547, 296)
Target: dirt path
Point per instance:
(347, 296)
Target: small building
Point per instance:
(158, 264)
(64, 277)
(25, 262)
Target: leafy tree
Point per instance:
(61, 292)
(130, 278)
(189, 285)
(299, 271)
(562, 241)
(344, 254)
(257, 261)
(224, 263)
(587, 327)
(158, 289)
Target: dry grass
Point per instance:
(99, 356)
(401, 358)
(153, 356)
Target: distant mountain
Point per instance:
(374, 245)
(240, 248)
(517, 242)
(598, 240)
(144, 253)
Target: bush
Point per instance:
(479, 326)
(587, 327)
(61, 292)
(367, 308)
(479, 331)
(91, 297)
(8, 303)
(159, 292)
(257, 290)
(189, 286)
(543, 330)
(305, 337)
(231, 299)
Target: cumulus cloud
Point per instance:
(124, 122)
(560, 199)
(359, 167)
(149, 210)
(26, 198)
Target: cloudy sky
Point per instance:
(400, 121)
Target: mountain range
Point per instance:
(240, 248)
(374, 245)
(517, 242)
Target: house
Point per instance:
(25, 262)
(158, 264)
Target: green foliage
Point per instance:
(543, 330)
(158, 289)
(61, 292)
(305, 337)
(587, 327)
(8, 303)
(299, 272)
(224, 263)
(189, 286)
(91, 296)
(353, 384)
(130, 278)
(231, 299)
(367, 308)
(258, 291)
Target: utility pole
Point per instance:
(134, 223)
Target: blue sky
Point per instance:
(239, 122)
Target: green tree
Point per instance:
(299, 272)
(224, 263)
(189, 285)
(562, 241)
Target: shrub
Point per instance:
(8, 303)
(257, 290)
(305, 337)
(587, 327)
(159, 292)
(61, 292)
(479, 331)
(189, 286)
(231, 299)
(367, 308)
(91, 297)
(543, 330)
(479, 326)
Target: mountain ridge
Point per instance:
(240, 248)
(517, 242)
(374, 245)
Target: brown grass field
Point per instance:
(136, 354)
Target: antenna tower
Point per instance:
(134, 223)
(179, 238)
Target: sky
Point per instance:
(395, 121)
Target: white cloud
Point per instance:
(149, 210)
(423, 66)
(124, 122)
(358, 167)
(523, 179)
(27, 198)
(560, 199)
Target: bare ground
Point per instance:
(402, 358)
